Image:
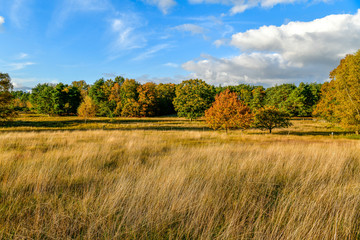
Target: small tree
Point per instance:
(228, 112)
(270, 117)
(87, 108)
(6, 98)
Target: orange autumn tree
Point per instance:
(228, 112)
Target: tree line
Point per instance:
(190, 99)
(336, 101)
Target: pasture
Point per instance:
(169, 178)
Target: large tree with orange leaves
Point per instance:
(228, 112)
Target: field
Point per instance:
(169, 178)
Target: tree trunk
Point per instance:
(270, 130)
(357, 132)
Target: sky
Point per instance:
(224, 42)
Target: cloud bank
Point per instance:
(297, 51)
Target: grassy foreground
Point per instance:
(177, 184)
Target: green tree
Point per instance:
(270, 117)
(166, 95)
(277, 96)
(100, 93)
(302, 100)
(193, 97)
(42, 98)
(6, 98)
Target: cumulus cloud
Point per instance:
(192, 28)
(297, 51)
(2, 20)
(163, 5)
(239, 6)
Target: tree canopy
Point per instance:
(193, 97)
(228, 112)
(6, 98)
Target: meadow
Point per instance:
(169, 178)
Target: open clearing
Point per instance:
(170, 178)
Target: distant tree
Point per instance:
(100, 93)
(258, 97)
(228, 112)
(166, 95)
(278, 95)
(87, 108)
(60, 99)
(21, 101)
(6, 98)
(129, 98)
(193, 97)
(148, 99)
(302, 100)
(83, 87)
(270, 117)
(131, 108)
(42, 98)
(327, 106)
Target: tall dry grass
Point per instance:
(170, 185)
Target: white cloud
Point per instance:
(239, 6)
(127, 36)
(297, 51)
(22, 55)
(221, 42)
(152, 51)
(170, 64)
(2, 20)
(19, 66)
(163, 5)
(192, 28)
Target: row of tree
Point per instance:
(336, 101)
(190, 99)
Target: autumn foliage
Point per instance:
(87, 108)
(228, 112)
(340, 99)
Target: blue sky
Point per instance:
(261, 42)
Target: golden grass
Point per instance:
(177, 184)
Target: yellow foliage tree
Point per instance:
(340, 101)
(87, 108)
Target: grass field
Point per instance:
(169, 178)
